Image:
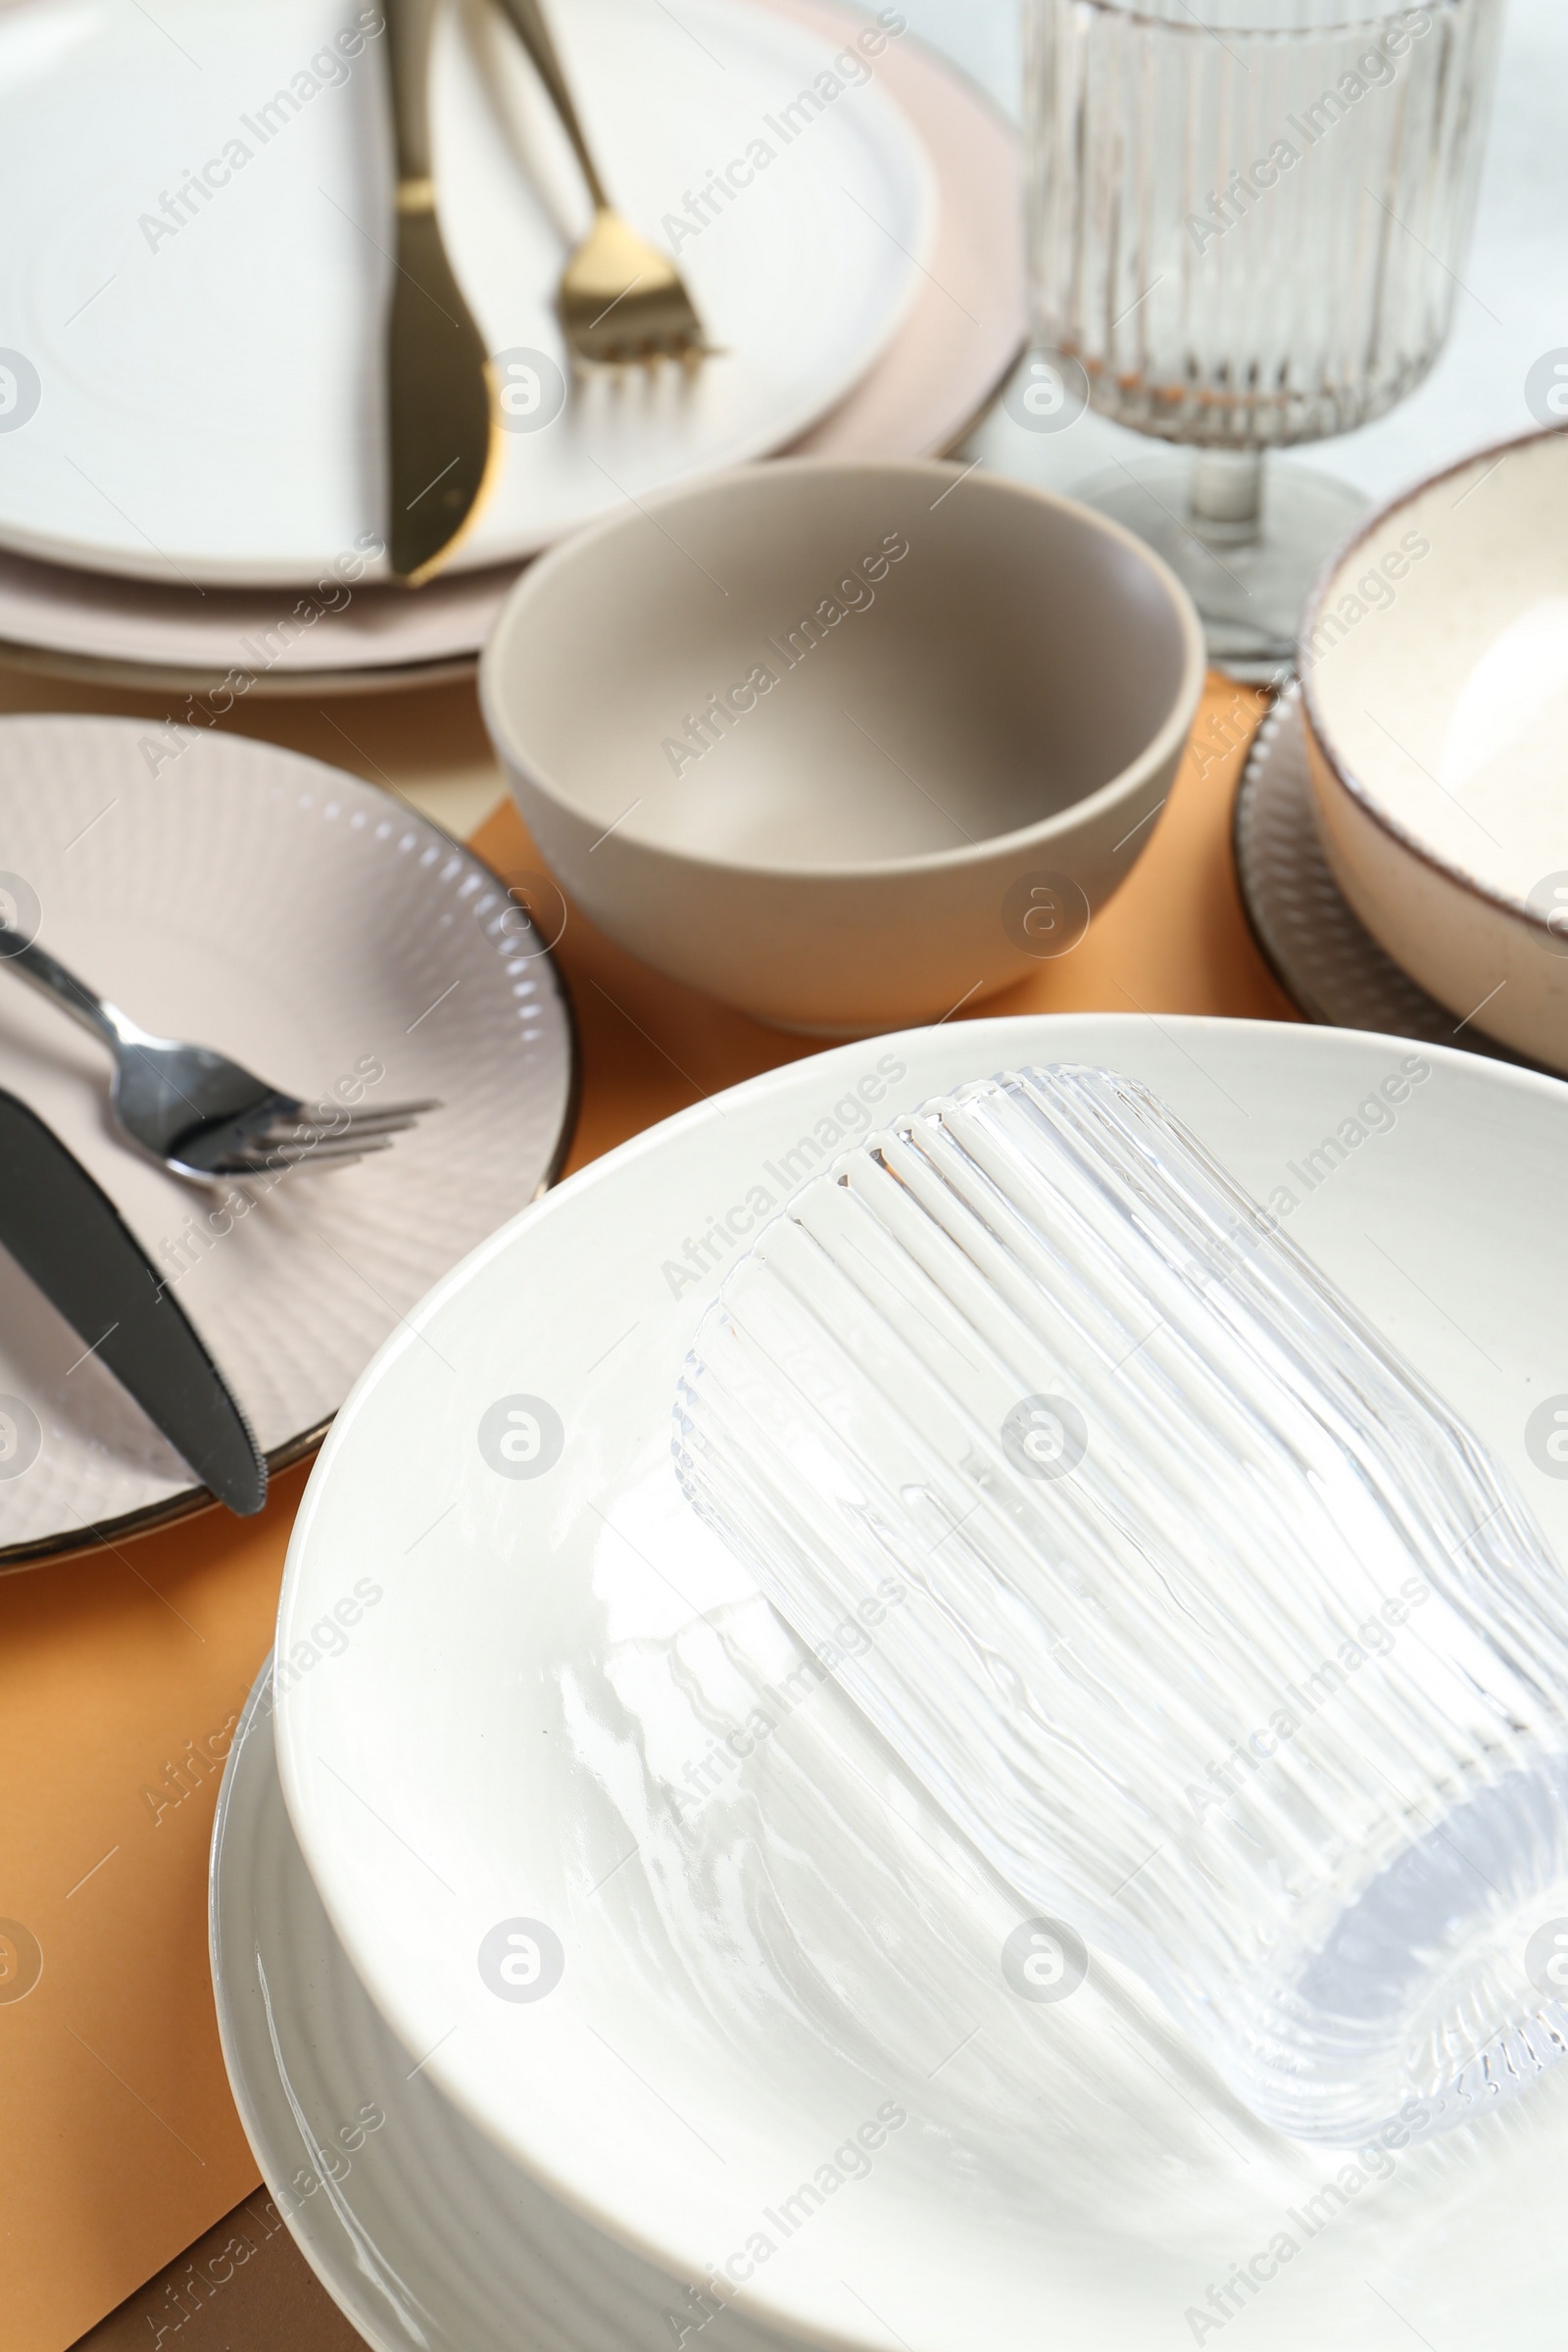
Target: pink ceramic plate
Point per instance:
(963, 332)
(315, 927)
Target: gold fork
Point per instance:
(622, 301)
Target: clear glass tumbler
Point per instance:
(1220, 1636)
(1247, 223)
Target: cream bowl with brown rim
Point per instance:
(843, 743)
(1434, 660)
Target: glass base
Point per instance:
(1249, 561)
(1442, 1989)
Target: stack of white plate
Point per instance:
(191, 397)
(588, 1974)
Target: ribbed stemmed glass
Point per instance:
(1248, 224)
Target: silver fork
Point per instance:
(201, 1114)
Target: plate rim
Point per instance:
(164, 677)
(232, 2041)
(244, 2068)
(1274, 719)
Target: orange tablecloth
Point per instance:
(120, 1674)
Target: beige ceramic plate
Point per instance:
(958, 339)
(319, 930)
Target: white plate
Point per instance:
(317, 929)
(412, 2220)
(210, 403)
(797, 1945)
(930, 383)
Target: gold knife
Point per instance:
(445, 445)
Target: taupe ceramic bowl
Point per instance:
(1435, 669)
(843, 743)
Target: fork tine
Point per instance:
(385, 1119)
(312, 1139)
(682, 350)
(282, 1157)
(343, 1147)
(312, 1146)
(375, 1114)
(337, 1147)
(243, 1171)
(342, 1134)
(371, 1113)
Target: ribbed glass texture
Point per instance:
(1222, 1637)
(1248, 218)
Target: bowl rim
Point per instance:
(1319, 735)
(1167, 741)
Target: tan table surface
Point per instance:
(120, 1674)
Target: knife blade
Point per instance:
(68, 1237)
(442, 435)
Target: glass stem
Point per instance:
(1227, 495)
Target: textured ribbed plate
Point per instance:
(414, 2221)
(570, 1711)
(317, 929)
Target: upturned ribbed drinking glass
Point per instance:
(1217, 1632)
(1247, 223)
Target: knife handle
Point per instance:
(534, 33)
(410, 24)
(39, 970)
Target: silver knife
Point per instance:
(68, 1237)
(444, 439)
